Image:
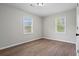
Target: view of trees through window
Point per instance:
(60, 24)
(27, 23)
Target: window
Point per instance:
(27, 25)
(60, 23)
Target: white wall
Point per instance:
(49, 27)
(11, 27)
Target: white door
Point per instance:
(77, 31)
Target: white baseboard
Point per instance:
(60, 40)
(17, 44)
(33, 40)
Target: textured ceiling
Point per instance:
(47, 9)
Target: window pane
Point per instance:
(60, 24)
(27, 23)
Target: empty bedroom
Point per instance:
(38, 29)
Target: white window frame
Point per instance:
(64, 24)
(24, 26)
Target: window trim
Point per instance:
(24, 26)
(64, 25)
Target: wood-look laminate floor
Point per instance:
(41, 47)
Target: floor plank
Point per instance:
(41, 47)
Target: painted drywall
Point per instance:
(70, 34)
(11, 27)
